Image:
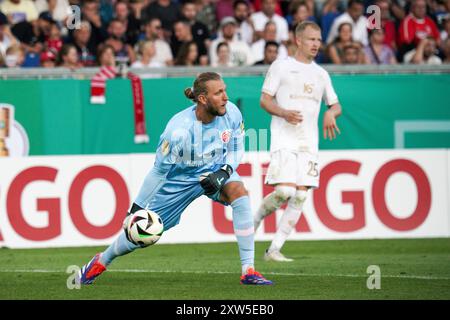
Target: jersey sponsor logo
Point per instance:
(225, 136)
(165, 147)
(300, 96)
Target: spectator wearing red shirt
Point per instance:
(257, 6)
(54, 41)
(388, 24)
(417, 25)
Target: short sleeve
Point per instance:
(330, 96)
(235, 147)
(272, 80)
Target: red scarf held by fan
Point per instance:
(98, 86)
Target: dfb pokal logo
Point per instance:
(13, 137)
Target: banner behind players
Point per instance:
(57, 201)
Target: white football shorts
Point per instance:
(299, 168)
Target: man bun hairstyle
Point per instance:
(189, 93)
(199, 86)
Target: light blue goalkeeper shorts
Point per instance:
(174, 197)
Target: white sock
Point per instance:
(288, 220)
(272, 202)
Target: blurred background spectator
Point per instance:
(416, 26)
(335, 50)
(388, 22)
(224, 8)
(153, 32)
(242, 27)
(123, 52)
(269, 34)
(19, 10)
(267, 13)
(244, 30)
(14, 56)
(240, 51)
(106, 56)
(7, 39)
(48, 59)
(199, 31)
(131, 24)
(424, 53)
(85, 49)
(58, 9)
(377, 52)
(68, 57)
(207, 14)
(90, 12)
(223, 55)
(355, 16)
(147, 53)
(330, 11)
(271, 52)
(182, 33)
(187, 54)
(446, 50)
(165, 10)
(351, 54)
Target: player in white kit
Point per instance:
(292, 93)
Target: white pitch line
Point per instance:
(228, 272)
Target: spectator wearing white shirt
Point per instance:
(355, 16)
(245, 27)
(59, 9)
(147, 54)
(6, 37)
(153, 32)
(19, 10)
(240, 52)
(266, 14)
(223, 55)
(270, 53)
(424, 53)
(269, 34)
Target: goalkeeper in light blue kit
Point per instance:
(197, 154)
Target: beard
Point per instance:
(211, 110)
(239, 19)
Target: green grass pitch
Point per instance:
(410, 269)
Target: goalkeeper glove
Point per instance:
(213, 181)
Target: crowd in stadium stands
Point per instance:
(158, 33)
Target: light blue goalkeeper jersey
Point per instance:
(187, 148)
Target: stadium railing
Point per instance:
(176, 72)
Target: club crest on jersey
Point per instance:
(165, 147)
(225, 136)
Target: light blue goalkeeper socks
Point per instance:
(119, 247)
(244, 231)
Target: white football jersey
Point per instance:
(298, 86)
